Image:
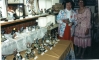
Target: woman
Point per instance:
(66, 20)
(82, 36)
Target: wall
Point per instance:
(55, 1)
(47, 3)
(42, 4)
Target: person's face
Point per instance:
(68, 6)
(81, 3)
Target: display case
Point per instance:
(18, 9)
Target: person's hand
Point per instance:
(65, 21)
(72, 23)
(87, 32)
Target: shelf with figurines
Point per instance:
(16, 13)
(37, 48)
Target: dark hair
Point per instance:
(67, 1)
(84, 1)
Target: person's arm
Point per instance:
(75, 19)
(59, 17)
(88, 25)
(88, 16)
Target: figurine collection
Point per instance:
(40, 45)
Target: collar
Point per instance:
(68, 10)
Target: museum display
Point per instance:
(41, 12)
(19, 11)
(15, 52)
(29, 52)
(0, 12)
(10, 14)
(49, 41)
(13, 33)
(36, 43)
(21, 30)
(3, 38)
(2, 35)
(43, 40)
(3, 57)
(49, 10)
(38, 50)
(30, 28)
(16, 10)
(42, 48)
(33, 28)
(45, 11)
(56, 36)
(17, 56)
(25, 35)
(32, 54)
(31, 7)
